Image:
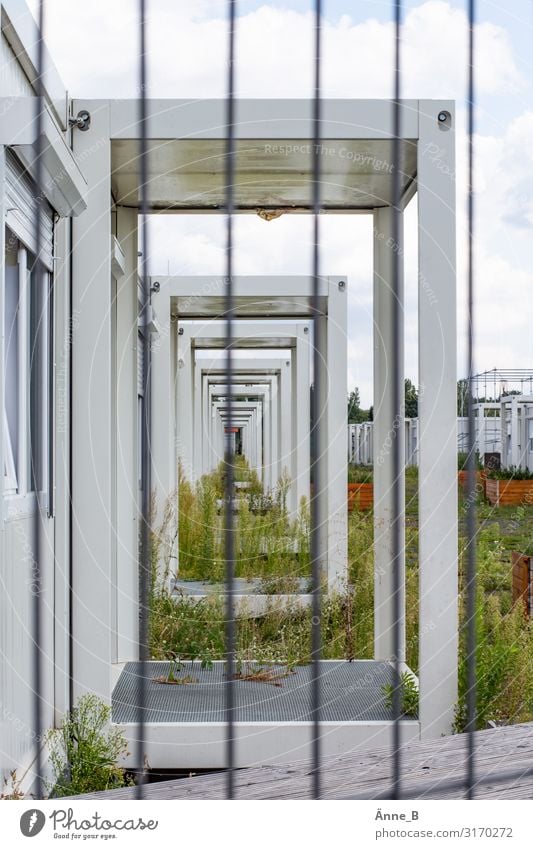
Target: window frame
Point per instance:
(19, 498)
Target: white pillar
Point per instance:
(259, 440)
(164, 463)
(388, 427)
(207, 418)
(92, 434)
(163, 444)
(515, 438)
(300, 471)
(320, 436)
(478, 428)
(337, 421)
(267, 442)
(199, 421)
(245, 441)
(285, 412)
(127, 486)
(185, 402)
(437, 422)
(216, 439)
(503, 433)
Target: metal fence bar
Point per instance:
(469, 782)
(397, 404)
(229, 530)
(145, 547)
(35, 583)
(470, 776)
(316, 445)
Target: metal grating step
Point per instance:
(351, 692)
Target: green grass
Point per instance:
(270, 546)
(195, 630)
(504, 660)
(462, 461)
(360, 474)
(268, 543)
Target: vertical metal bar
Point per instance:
(397, 391)
(35, 418)
(318, 483)
(145, 551)
(471, 481)
(50, 378)
(70, 468)
(229, 531)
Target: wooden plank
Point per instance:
(360, 496)
(509, 491)
(521, 572)
(428, 764)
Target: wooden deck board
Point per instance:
(426, 764)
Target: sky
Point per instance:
(94, 46)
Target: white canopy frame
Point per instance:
(273, 171)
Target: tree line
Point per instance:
(356, 413)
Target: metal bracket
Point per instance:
(82, 121)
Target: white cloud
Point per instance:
(188, 43)
(95, 45)
(502, 264)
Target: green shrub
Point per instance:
(267, 542)
(408, 694)
(361, 578)
(512, 473)
(411, 597)
(84, 750)
(360, 474)
(462, 461)
(504, 656)
(199, 527)
(504, 667)
(195, 630)
(271, 546)
(186, 628)
(187, 528)
(206, 560)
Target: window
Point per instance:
(27, 365)
(11, 370)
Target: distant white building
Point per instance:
(488, 438)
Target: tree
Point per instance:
(354, 406)
(411, 399)
(355, 413)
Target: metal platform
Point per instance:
(427, 767)
(249, 598)
(242, 587)
(185, 723)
